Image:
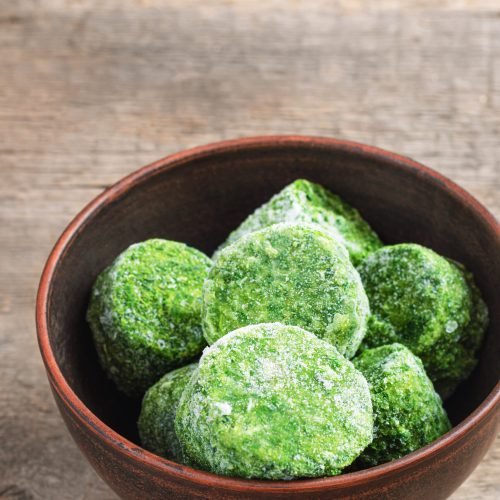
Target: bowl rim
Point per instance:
(183, 472)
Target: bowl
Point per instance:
(198, 196)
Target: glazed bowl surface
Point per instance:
(198, 196)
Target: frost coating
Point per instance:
(303, 201)
(159, 406)
(408, 412)
(429, 304)
(145, 312)
(275, 402)
(296, 274)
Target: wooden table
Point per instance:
(89, 93)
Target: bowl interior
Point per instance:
(200, 197)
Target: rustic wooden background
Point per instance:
(90, 90)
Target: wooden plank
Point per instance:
(91, 90)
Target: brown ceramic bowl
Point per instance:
(198, 196)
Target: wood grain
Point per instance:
(89, 93)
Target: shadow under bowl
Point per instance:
(198, 197)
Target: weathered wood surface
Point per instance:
(90, 90)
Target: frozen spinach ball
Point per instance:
(274, 402)
(305, 201)
(159, 406)
(429, 304)
(295, 274)
(408, 413)
(145, 312)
